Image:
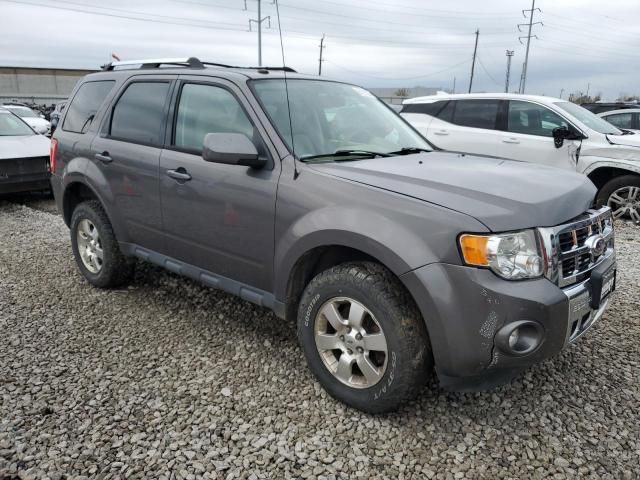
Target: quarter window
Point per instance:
(208, 109)
(532, 119)
(139, 115)
(476, 113)
(85, 105)
(432, 108)
(620, 120)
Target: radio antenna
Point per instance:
(286, 89)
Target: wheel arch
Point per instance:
(604, 173)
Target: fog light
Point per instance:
(519, 338)
(513, 338)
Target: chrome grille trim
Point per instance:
(567, 259)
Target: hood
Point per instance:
(632, 140)
(36, 121)
(502, 194)
(24, 146)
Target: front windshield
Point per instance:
(23, 112)
(329, 117)
(11, 126)
(589, 119)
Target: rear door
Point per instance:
(127, 152)
(468, 126)
(420, 115)
(529, 136)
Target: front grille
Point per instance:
(15, 167)
(569, 253)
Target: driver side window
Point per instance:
(532, 119)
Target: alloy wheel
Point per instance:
(89, 246)
(351, 342)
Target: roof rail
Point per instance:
(191, 62)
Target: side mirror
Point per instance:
(560, 134)
(231, 149)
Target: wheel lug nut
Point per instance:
(360, 350)
(342, 338)
(349, 351)
(359, 336)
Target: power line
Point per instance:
(487, 72)
(374, 75)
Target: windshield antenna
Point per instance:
(286, 89)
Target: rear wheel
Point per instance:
(96, 249)
(622, 195)
(363, 337)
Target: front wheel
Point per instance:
(363, 337)
(622, 195)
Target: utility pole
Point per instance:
(528, 37)
(588, 88)
(259, 21)
(473, 63)
(454, 85)
(506, 83)
(320, 59)
(561, 92)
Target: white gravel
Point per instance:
(171, 380)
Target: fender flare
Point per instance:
(396, 247)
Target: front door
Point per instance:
(218, 217)
(529, 136)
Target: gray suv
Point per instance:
(316, 200)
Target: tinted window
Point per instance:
(446, 114)
(476, 113)
(139, 114)
(85, 105)
(432, 108)
(532, 119)
(207, 109)
(620, 120)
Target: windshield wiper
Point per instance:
(409, 151)
(346, 153)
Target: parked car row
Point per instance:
(542, 130)
(314, 199)
(34, 119)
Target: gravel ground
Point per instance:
(170, 380)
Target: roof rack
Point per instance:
(191, 62)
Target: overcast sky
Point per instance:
(374, 43)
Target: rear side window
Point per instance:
(139, 115)
(432, 108)
(620, 120)
(85, 105)
(477, 113)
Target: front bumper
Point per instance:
(467, 311)
(24, 183)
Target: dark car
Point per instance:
(24, 156)
(314, 199)
(600, 107)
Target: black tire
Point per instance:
(614, 184)
(409, 362)
(116, 269)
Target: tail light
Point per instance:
(53, 155)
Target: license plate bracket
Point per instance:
(603, 282)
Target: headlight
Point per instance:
(513, 256)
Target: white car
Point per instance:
(544, 130)
(35, 120)
(24, 156)
(627, 119)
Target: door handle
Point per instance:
(179, 174)
(511, 140)
(441, 132)
(104, 157)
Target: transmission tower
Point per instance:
(532, 11)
